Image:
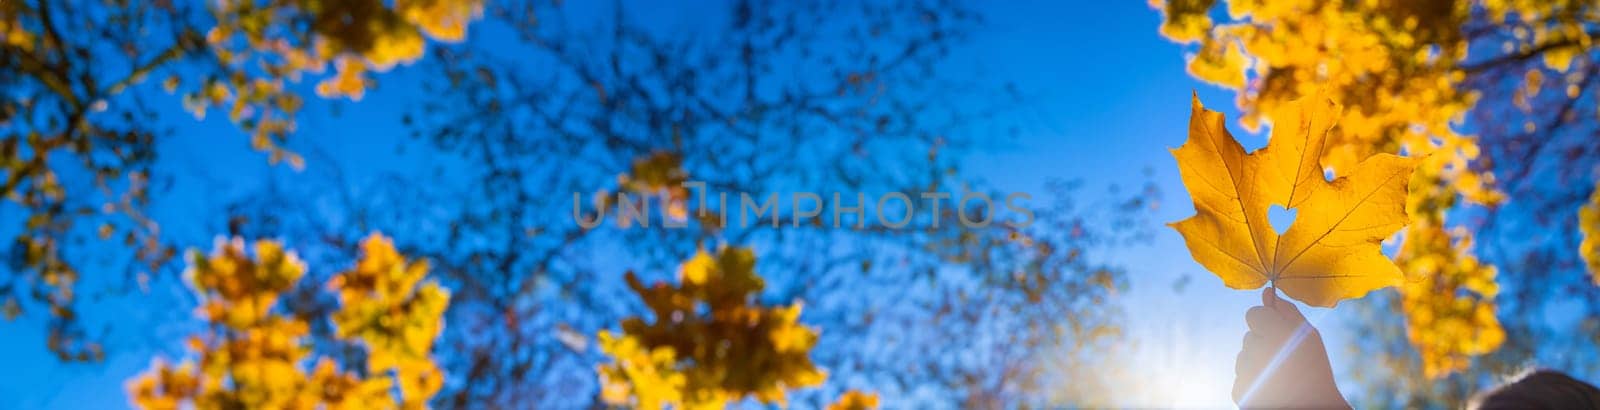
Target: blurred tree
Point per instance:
(757, 98)
(707, 347)
(254, 355)
(1494, 93)
(80, 133)
(76, 148)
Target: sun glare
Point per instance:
(1181, 374)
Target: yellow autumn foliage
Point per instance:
(255, 355)
(254, 41)
(1447, 330)
(661, 175)
(1397, 67)
(1589, 224)
(855, 400)
(386, 304)
(709, 344)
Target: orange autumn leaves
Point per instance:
(1332, 251)
(355, 35)
(254, 356)
(263, 48)
(710, 345)
(715, 346)
(1398, 67)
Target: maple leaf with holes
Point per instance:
(1332, 250)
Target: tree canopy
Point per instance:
(561, 101)
(1496, 96)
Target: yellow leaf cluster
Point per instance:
(1450, 310)
(1397, 66)
(660, 174)
(1220, 63)
(654, 172)
(12, 33)
(445, 20)
(385, 304)
(1332, 250)
(255, 356)
(646, 378)
(855, 400)
(1376, 60)
(1589, 224)
(264, 52)
(1184, 20)
(709, 343)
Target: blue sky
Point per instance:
(1109, 97)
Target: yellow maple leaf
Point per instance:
(1331, 252)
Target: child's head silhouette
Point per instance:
(1540, 389)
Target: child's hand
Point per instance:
(1268, 374)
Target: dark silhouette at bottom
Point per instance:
(1283, 364)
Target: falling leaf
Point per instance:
(1332, 250)
(571, 338)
